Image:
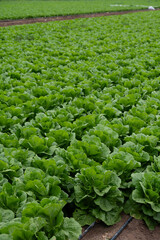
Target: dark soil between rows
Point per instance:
(135, 230)
(9, 22)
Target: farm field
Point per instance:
(30, 9)
(79, 126)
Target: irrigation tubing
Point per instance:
(114, 237)
(122, 228)
(87, 230)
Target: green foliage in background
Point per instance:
(28, 9)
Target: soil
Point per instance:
(135, 230)
(9, 22)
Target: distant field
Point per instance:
(30, 9)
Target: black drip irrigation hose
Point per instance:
(87, 230)
(122, 228)
(114, 237)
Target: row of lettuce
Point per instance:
(79, 125)
(18, 9)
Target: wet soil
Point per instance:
(9, 22)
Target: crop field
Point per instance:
(79, 125)
(29, 9)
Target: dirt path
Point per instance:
(5, 23)
(136, 230)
